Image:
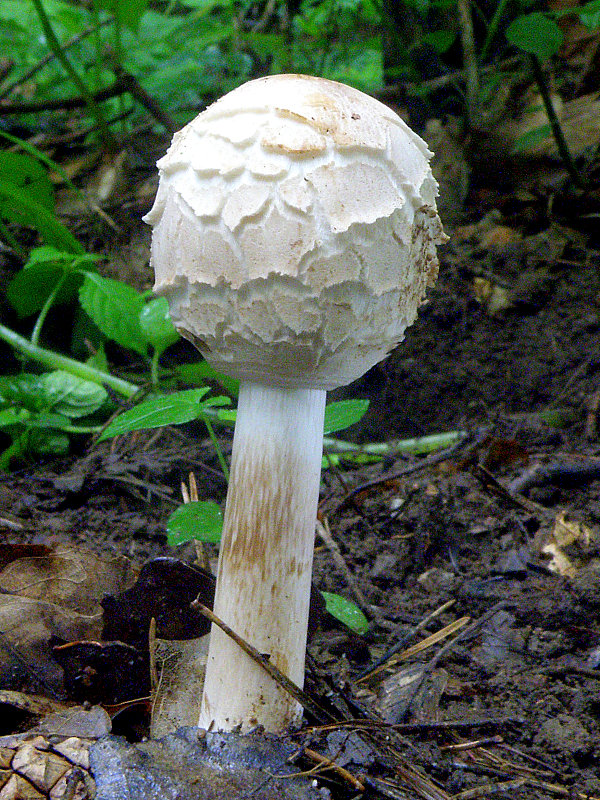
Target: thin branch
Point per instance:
(467, 36)
(327, 539)
(58, 51)
(557, 131)
(6, 90)
(263, 661)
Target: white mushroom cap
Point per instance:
(295, 231)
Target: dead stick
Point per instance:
(467, 36)
(331, 545)
(263, 661)
(343, 773)
(401, 644)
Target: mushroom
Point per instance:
(294, 235)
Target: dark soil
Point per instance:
(519, 679)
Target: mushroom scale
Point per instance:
(295, 231)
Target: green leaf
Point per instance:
(128, 12)
(202, 520)
(532, 138)
(202, 371)
(115, 308)
(589, 14)
(21, 208)
(48, 443)
(47, 420)
(24, 389)
(74, 397)
(99, 360)
(13, 416)
(156, 324)
(343, 414)
(441, 40)
(346, 611)
(168, 409)
(31, 286)
(536, 34)
(28, 175)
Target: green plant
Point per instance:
(39, 412)
(122, 59)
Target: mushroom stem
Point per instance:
(265, 562)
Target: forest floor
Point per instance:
(500, 536)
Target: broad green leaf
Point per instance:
(24, 389)
(156, 324)
(13, 416)
(343, 414)
(128, 12)
(202, 520)
(115, 308)
(21, 208)
(99, 360)
(589, 14)
(28, 175)
(31, 286)
(532, 138)
(227, 416)
(202, 371)
(536, 34)
(47, 420)
(74, 397)
(48, 443)
(168, 409)
(441, 40)
(43, 158)
(346, 611)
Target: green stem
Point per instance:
(493, 29)
(54, 360)
(154, 368)
(557, 131)
(97, 46)
(418, 446)
(217, 446)
(35, 335)
(14, 450)
(59, 53)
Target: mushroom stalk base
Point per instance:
(265, 562)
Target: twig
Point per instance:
(9, 88)
(490, 788)
(467, 37)
(330, 764)
(124, 83)
(58, 51)
(152, 651)
(191, 496)
(131, 84)
(327, 539)
(466, 633)
(263, 661)
(493, 484)
(67, 103)
(591, 421)
(560, 471)
(434, 84)
(475, 743)
(429, 461)
(401, 644)
(455, 725)
(557, 131)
